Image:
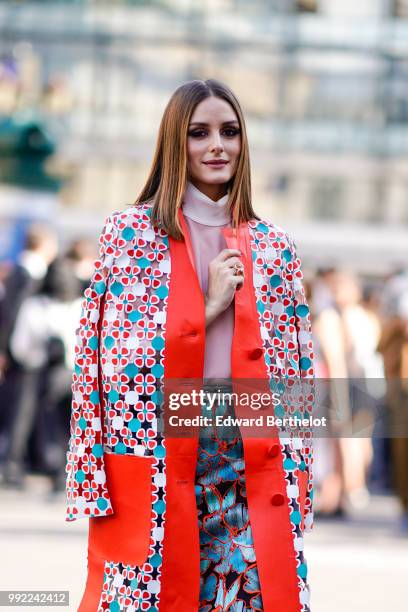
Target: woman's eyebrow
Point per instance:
(207, 124)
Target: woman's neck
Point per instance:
(201, 208)
(214, 192)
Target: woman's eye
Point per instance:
(232, 131)
(197, 133)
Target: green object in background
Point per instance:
(24, 149)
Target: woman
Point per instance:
(41, 344)
(190, 285)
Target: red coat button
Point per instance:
(277, 499)
(274, 450)
(255, 353)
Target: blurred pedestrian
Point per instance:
(360, 331)
(42, 343)
(376, 387)
(393, 345)
(82, 255)
(331, 371)
(23, 281)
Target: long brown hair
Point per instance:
(167, 179)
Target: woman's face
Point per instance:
(213, 135)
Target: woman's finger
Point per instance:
(226, 254)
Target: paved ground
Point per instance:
(357, 565)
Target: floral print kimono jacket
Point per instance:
(143, 321)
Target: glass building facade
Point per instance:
(323, 85)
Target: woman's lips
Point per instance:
(217, 164)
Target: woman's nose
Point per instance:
(216, 144)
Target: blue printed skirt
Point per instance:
(228, 572)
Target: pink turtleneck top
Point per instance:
(205, 219)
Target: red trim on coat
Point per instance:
(184, 359)
(264, 475)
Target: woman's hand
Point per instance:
(223, 280)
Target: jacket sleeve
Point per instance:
(306, 370)
(86, 490)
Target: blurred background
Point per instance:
(324, 88)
